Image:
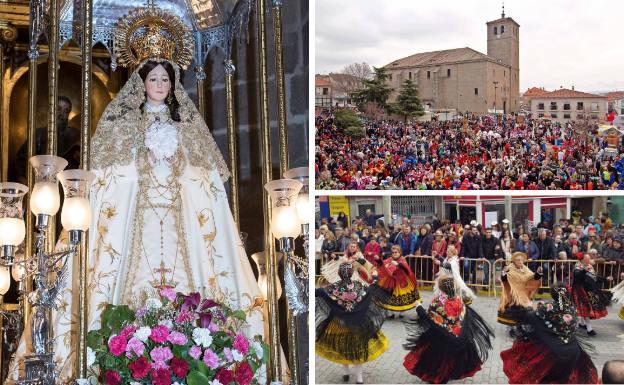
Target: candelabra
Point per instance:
(290, 218)
(48, 269)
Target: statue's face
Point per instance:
(157, 85)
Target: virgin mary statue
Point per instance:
(160, 212)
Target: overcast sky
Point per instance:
(562, 42)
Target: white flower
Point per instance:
(167, 323)
(238, 356)
(202, 337)
(143, 333)
(215, 382)
(162, 140)
(257, 347)
(90, 357)
(260, 375)
(178, 383)
(137, 383)
(153, 303)
(83, 381)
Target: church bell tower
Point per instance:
(503, 44)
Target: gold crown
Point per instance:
(152, 33)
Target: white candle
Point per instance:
(76, 214)
(12, 231)
(45, 198)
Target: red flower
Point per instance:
(453, 307)
(111, 377)
(225, 376)
(456, 329)
(161, 377)
(179, 366)
(140, 368)
(244, 374)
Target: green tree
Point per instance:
(349, 122)
(407, 103)
(374, 90)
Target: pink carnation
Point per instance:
(135, 346)
(228, 354)
(211, 359)
(159, 333)
(195, 351)
(213, 327)
(177, 338)
(185, 316)
(168, 293)
(128, 330)
(141, 312)
(160, 365)
(161, 354)
(241, 344)
(117, 345)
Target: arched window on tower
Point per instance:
(502, 29)
(495, 30)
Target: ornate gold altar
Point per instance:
(81, 67)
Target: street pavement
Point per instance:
(388, 368)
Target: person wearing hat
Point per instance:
(496, 230)
(519, 286)
(592, 242)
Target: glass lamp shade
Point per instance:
(76, 213)
(18, 271)
(260, 261)
(304, 206)
(284, 216)
(12, 228)
(5, 279)
(45, 197)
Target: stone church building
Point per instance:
(464, 79)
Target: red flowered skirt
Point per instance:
(445, 370)
(529, 363)
(587, 304)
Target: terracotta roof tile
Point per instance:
(535, 91)
(615, 95)
(321, 80)
(566, 93)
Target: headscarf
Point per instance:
(120, 129)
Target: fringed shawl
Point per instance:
(520, 286)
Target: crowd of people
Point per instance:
(469, 153)
(566, 240)
(449, 340)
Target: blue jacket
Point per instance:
(408, 247)
(532, 252)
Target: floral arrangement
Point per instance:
(175, 340)
(560, 321)
(447, 312)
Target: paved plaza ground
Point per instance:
(388, 368)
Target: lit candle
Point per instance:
(45, 198)
(12, 231)
(303, 208)
(76, 214)
(5, 279)
(285, 222)
(18, 271)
